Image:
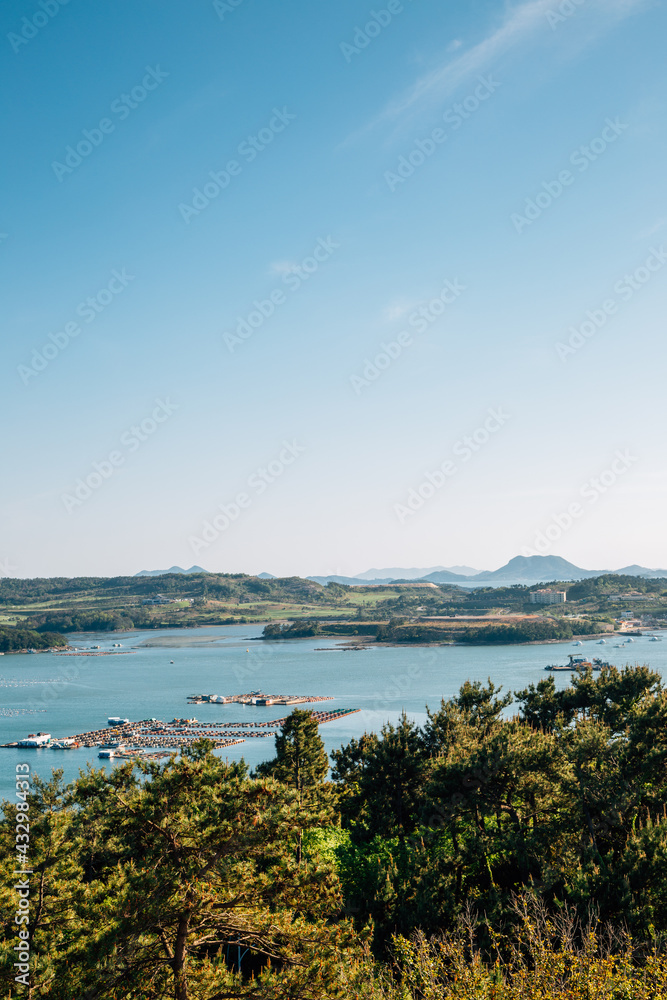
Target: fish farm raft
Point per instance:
(143, 739)
(255, 698)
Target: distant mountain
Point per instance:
(446, 576)
(648, 574)
(524, 570)
(350, 581)
(535, 569)
(174, 569)
(414, 574)
(266, 576)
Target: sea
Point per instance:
(153, 673)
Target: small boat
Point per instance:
(602, 642)
(655, 638)
(577, 643)
(574, 664)
(171, 661)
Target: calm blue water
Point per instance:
(68, 695)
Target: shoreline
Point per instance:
(345, 641)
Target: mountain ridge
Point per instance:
(525, 570)
(173, 569)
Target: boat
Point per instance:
(575, 663)
(577, 643)
(655, 638)
(106, 754)
(115, 720)
(602, 642)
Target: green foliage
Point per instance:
(532, 850)
(295, 630)
(301, 761)
(216, 585)
(152, 880)
(528, 631)
(547, 959)
(82, 621)
(12, 639)
(568, 800)
(610, 583)
(608, 697)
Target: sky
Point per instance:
(308, 288)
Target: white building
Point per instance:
(548, 597)
(35, 740)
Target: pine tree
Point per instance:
(300, 763)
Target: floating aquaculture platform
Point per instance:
(255, 698)
(141, 739)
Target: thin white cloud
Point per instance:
(520, 26)
(646, 234)
(282, 267)
(398, 310)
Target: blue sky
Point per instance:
(368, 160)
